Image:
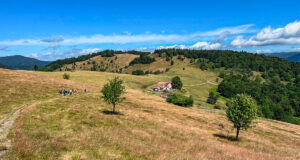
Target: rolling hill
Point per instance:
(21, 62)
(51, 126)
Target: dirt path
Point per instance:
(201, 84)
(7, 123)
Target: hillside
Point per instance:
(295, 58)
(272, 81)
(51, 126)
(120, 63)
(21, 62)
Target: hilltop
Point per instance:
(21, 62)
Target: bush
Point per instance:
(217, 106)
(172, 63)
(157, 72)
(181, 100)
(212, 98)
(138, 72)
(176, 83)
(66, 76)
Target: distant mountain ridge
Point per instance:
(21, 62)
(291, 56)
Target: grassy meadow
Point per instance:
(81, 126)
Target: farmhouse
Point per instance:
(166, 87)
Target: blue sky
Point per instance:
(53, 29)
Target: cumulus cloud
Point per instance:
(129, 38)
(205, 45)
(198, 45)
(74, 52)
(290, 34)
(260, 51)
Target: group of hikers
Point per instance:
(71, 91)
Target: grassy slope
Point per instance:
(21, 87)
(76, 127)
(120, 62)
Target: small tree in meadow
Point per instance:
(112, 92)
(242, 110)
(35, 67)
(176, 83)
(66, 76)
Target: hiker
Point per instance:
(64, 92)
(60, 91)
(84, 90)
(88, 91)
(74, 91)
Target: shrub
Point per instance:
(66, 76)
(212, 98)
(172, 63)
(138, 72)
(217, 106)
(181, 100)
(157, 72)
(176, 83)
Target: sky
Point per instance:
(55, 29)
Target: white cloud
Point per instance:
(74, 52)
(259, 51)
(198, 45)
(290, 34)
(205, 45)
(296, 49)
(128, 38)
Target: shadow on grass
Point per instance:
(111, 112)
(230, 138)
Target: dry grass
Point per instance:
(148, 128)
(121, 61)
(76, 127)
